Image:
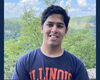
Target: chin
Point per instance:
(54, 44)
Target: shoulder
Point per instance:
(27, 60)
(28, 56)
(70, 55)
(76, 63)
(73, 59)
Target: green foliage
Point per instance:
(30, 30)
(49, 2)
(85, 19)
(80, 42)
(11, 29)
(93, 20)
(83, 45)
(29, 39)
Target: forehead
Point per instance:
(55, 18)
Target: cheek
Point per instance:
(63, 33)
(46, 32)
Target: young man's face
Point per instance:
(53, 30)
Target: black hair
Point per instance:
(55, 10)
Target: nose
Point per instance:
(54, 28)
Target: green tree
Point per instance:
(29, 39)
(83, 45)
(49, 2)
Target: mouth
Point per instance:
(53, 36)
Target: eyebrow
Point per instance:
(56, 23)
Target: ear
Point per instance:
(41, 28)
(66, 30)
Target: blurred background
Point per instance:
(22, 29)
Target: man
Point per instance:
(50, 61)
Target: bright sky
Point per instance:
(14, 8)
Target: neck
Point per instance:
(52, 51)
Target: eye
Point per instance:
(60, 25)
(49, 25)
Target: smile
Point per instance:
(53, 36)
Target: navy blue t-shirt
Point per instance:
(36, 66)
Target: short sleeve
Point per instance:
(20, 72)
(81, 73)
